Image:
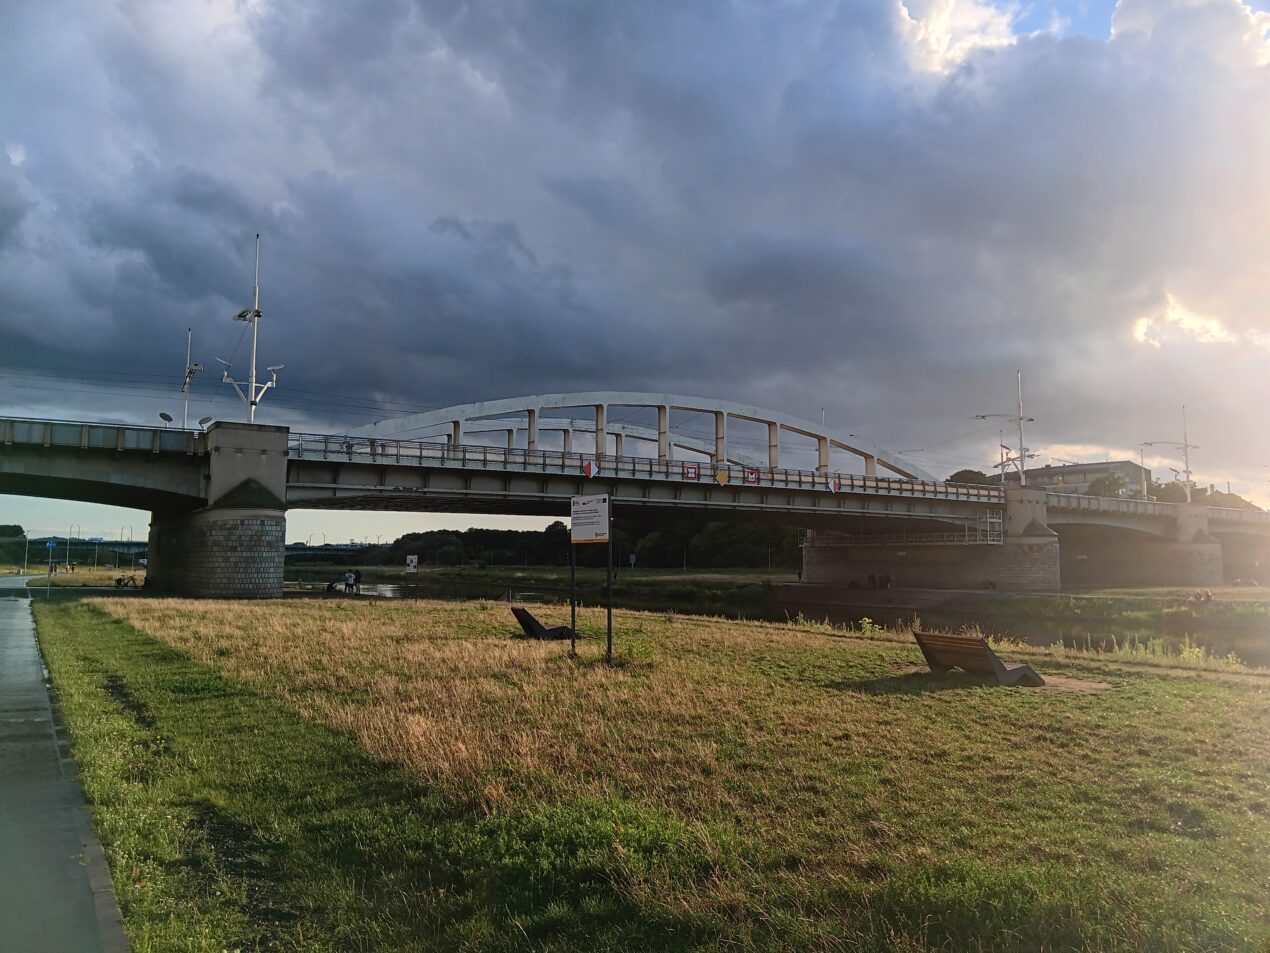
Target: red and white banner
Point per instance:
(590, 468)
(834, 484)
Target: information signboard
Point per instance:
(589, 518)
(412, 564)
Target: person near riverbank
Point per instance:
(349, 581)
(357, 581)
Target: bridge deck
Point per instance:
(417, 453)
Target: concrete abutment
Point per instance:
(218, 552)
(234, 547)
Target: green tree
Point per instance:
(1110, 484)
(970, 476)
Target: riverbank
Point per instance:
(1236, 620)
(417, 777)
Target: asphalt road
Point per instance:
(55, 892)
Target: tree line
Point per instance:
(655, 543)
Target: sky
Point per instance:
(883, 209)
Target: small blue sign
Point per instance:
(51, 544)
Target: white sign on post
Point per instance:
(412, 564)
(589, 518)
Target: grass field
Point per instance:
(387, 776)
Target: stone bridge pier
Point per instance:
(232, 548)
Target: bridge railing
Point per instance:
(426, 453)
(1109, 504)
(84, 435)
(968, 537)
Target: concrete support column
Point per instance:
(870, 466)
(456, 432)
(720, 437)
(617, 444)
(773, 445)
(822, 446)
(222, 553)
(511, 439)
(1025, 510)
(663, 433)
(601, 430)
(1030, 552)
(532, 439)
(567, 437)
(1192, 523)
(233, 548)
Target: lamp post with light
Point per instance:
(1185, 446)
(255, 392)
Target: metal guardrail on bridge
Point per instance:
(83, 435)
(969, 537)
(428, 454)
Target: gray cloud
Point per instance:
(782, 204)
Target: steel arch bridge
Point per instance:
(512, 415)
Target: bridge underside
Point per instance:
(134, 497)
(1096, 557)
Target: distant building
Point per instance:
(1076, 477)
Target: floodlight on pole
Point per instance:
(255, 392)
(190, 370)
(1185, 446)
(1020, 461)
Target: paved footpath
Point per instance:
(55, 891)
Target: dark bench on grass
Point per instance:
(535, 629)
(972, 654)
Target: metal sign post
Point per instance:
(590, 523)
(412, 570)
(573, 601)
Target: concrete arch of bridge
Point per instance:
(531, 407)
(1108, 525)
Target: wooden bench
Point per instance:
(535, 629)
(973, 655)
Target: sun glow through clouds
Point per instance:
(1154, 330)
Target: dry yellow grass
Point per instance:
(441, 689)
(838, 772)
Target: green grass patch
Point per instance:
(340, 776)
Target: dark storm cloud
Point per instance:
(880, 208)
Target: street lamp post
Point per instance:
(255, 392)
(1185, 446)
(1020, 462)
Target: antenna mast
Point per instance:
(255, 392)
(1019, 462)
(190, 370)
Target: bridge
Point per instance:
(219, 498)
